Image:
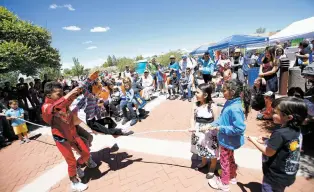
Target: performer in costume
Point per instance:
(63, 122)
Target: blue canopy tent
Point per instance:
(201, 49)
(238, 40)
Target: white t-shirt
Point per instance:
(147, 82)
(127, 74)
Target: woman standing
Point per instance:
(268, 70)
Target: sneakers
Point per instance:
(78, 187)
(127, 133)
(210, 175)
(80, 173)
(125, 120)
(133, 122)
(118, 119)
(22, 142)
(233, 181)
(91, 163)
(27, 140)
(216, 183)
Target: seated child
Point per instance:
(128, 103)
(173, 85)
(267, 113)
(183, 84)
(219, 82)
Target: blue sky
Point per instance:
(134, 27)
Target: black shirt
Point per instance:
(22, 89)
(283, 166)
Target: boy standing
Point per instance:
(63, 122)
(16, 114)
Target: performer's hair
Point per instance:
(50, 86)
(13, 101)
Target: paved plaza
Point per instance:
(145, 162)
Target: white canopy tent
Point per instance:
(299, 29)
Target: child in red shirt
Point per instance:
(63, 122)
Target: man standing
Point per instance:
(44, 82)
(174, 66)
(127, 72)
(153, 68)
(207, 67)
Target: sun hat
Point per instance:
(172, 57)
(269, 93)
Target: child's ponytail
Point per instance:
(246, 99)
(239, 89)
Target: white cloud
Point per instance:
(53, 6)
(91, 47)
(87, 42)
(87, 63)
(68, 6)
(71, 28)
(99, 29)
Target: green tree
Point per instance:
(164, 58)
(124, 61)
(260, 30)
(114, 60)
(77, 69)
(109, 61)
(52, 73)
(67, 72)
(139, 57)
(12, 77)
(24, 47)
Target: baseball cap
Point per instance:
(268, 93)
(184, 56)
(206, 53)
(237, 50)
(172, 57)
(146, 71)
(308, 70)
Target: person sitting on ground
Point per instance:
(303, 55)
(148, 85)
(173, 85)
(267, 113)
(128, 103)
(219, 81)
(96, 121)
(227, 75)
(137, 84)
(259, 88)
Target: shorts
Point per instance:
(22, 128)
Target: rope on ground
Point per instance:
(156, 131)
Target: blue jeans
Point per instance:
(272, 187)
(124, 105)
(188, 87)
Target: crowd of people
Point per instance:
(107, 100)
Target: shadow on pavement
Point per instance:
(307, 164)
(115, 161)
(266, 125)
(251, 186)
